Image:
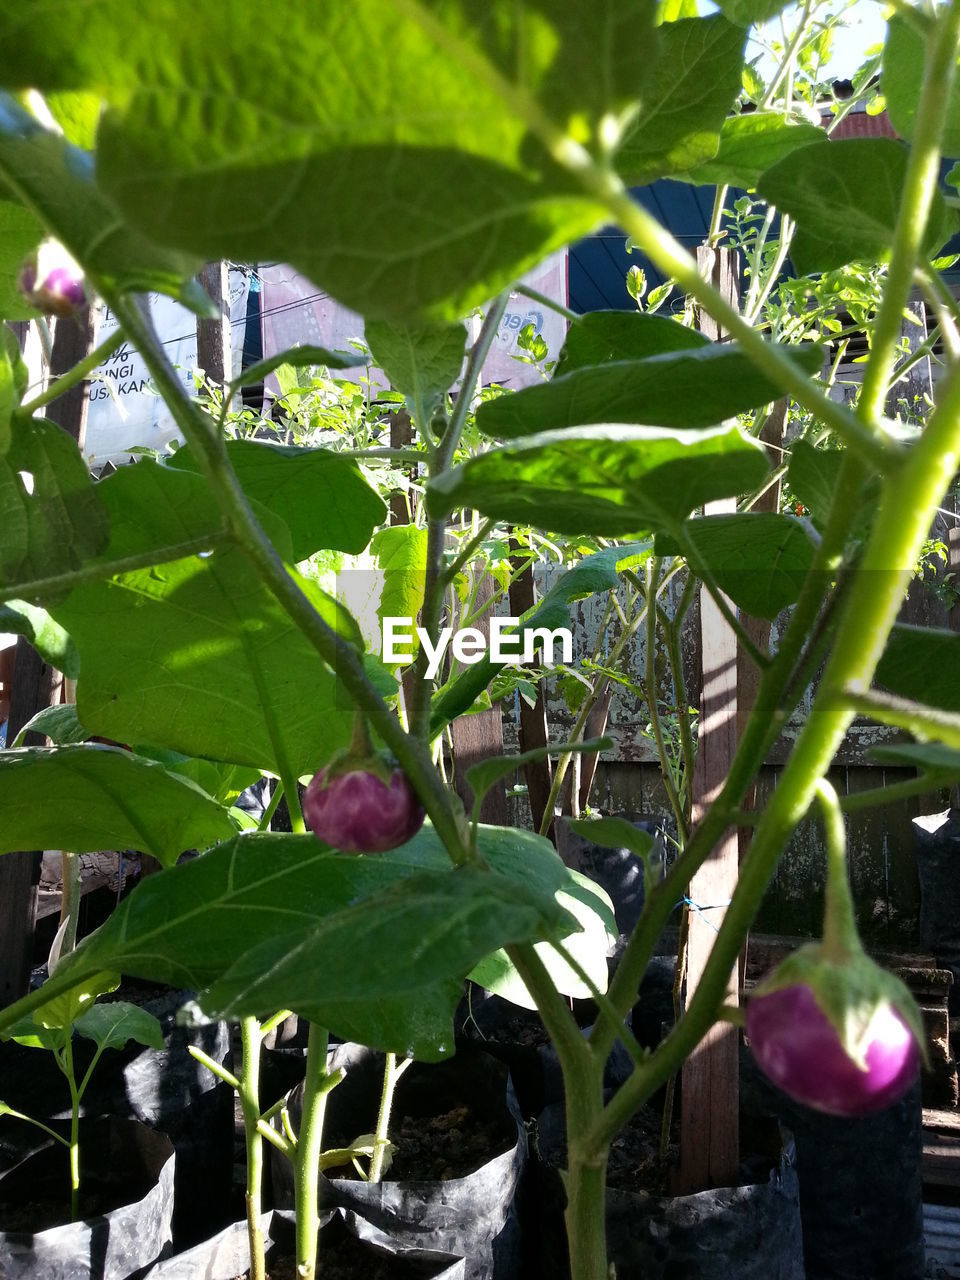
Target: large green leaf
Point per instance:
(51, 514)
(91, 798)
(202, 659)
(901, 81)
(190, 926)
(759, 559)
(421, 361)
(321, 497)
(601, 337)
(929, 757)
(922, 663)
(612, 480)
(694, 388)
(845, 197)
(693, 85)
(113, 1024)
(393, 138)
(54, 180)
(752, 143)
(20, 233)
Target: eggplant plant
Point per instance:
(415, 159)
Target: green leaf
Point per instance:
(55, 181)
(50, 512)
(20, 233)
(59, 723)
(223, 782)
(928, 757)
(105, 799)
(845, 197)
(321, 497)
(112, 1025)
(750, 144)
(812, 476)
(609, 479)
(748, 12)
(901, 80)
(61, 1012)
(345, 137)
(693, 85)
(192, 924)
(589, 947)
(439, 925)
(923, 664)
(422, 362)
(77, 114)
(481, 777)
(47, 637)
(759, 559)
(694, 388)
(401, 554)
(614, 833)
(602, 337)
(203, 660)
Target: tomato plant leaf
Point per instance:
(694, 388)
(105, 799)
(845, 197)
(607, 479)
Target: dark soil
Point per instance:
(47, 1210)
(342, 1257)
(437, 1148)
(635, 1164)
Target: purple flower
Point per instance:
(52, 282)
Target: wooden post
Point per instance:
(533, 727)
(214, 343)
(480, 736)
(710, 1107)
(36, 685)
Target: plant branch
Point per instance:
(536, 296)
(61, 385)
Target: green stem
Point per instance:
(249, 1092)
(671, 630)
(922, 721)
(551, 303)
(788, 56)
(716, 218)
(392, 1071)
(68, 1071)
(840, 936)
(435, 582)
(336, 651)
(653, 701)
(306, 1163)
(70, 901)
(270, 810)
(878, 797)
(60, 386)
(469, 547)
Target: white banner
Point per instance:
(124, 412)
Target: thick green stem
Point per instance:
(585, 1180)
(68, 1071)
(249, 1090)
(306, 1162)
